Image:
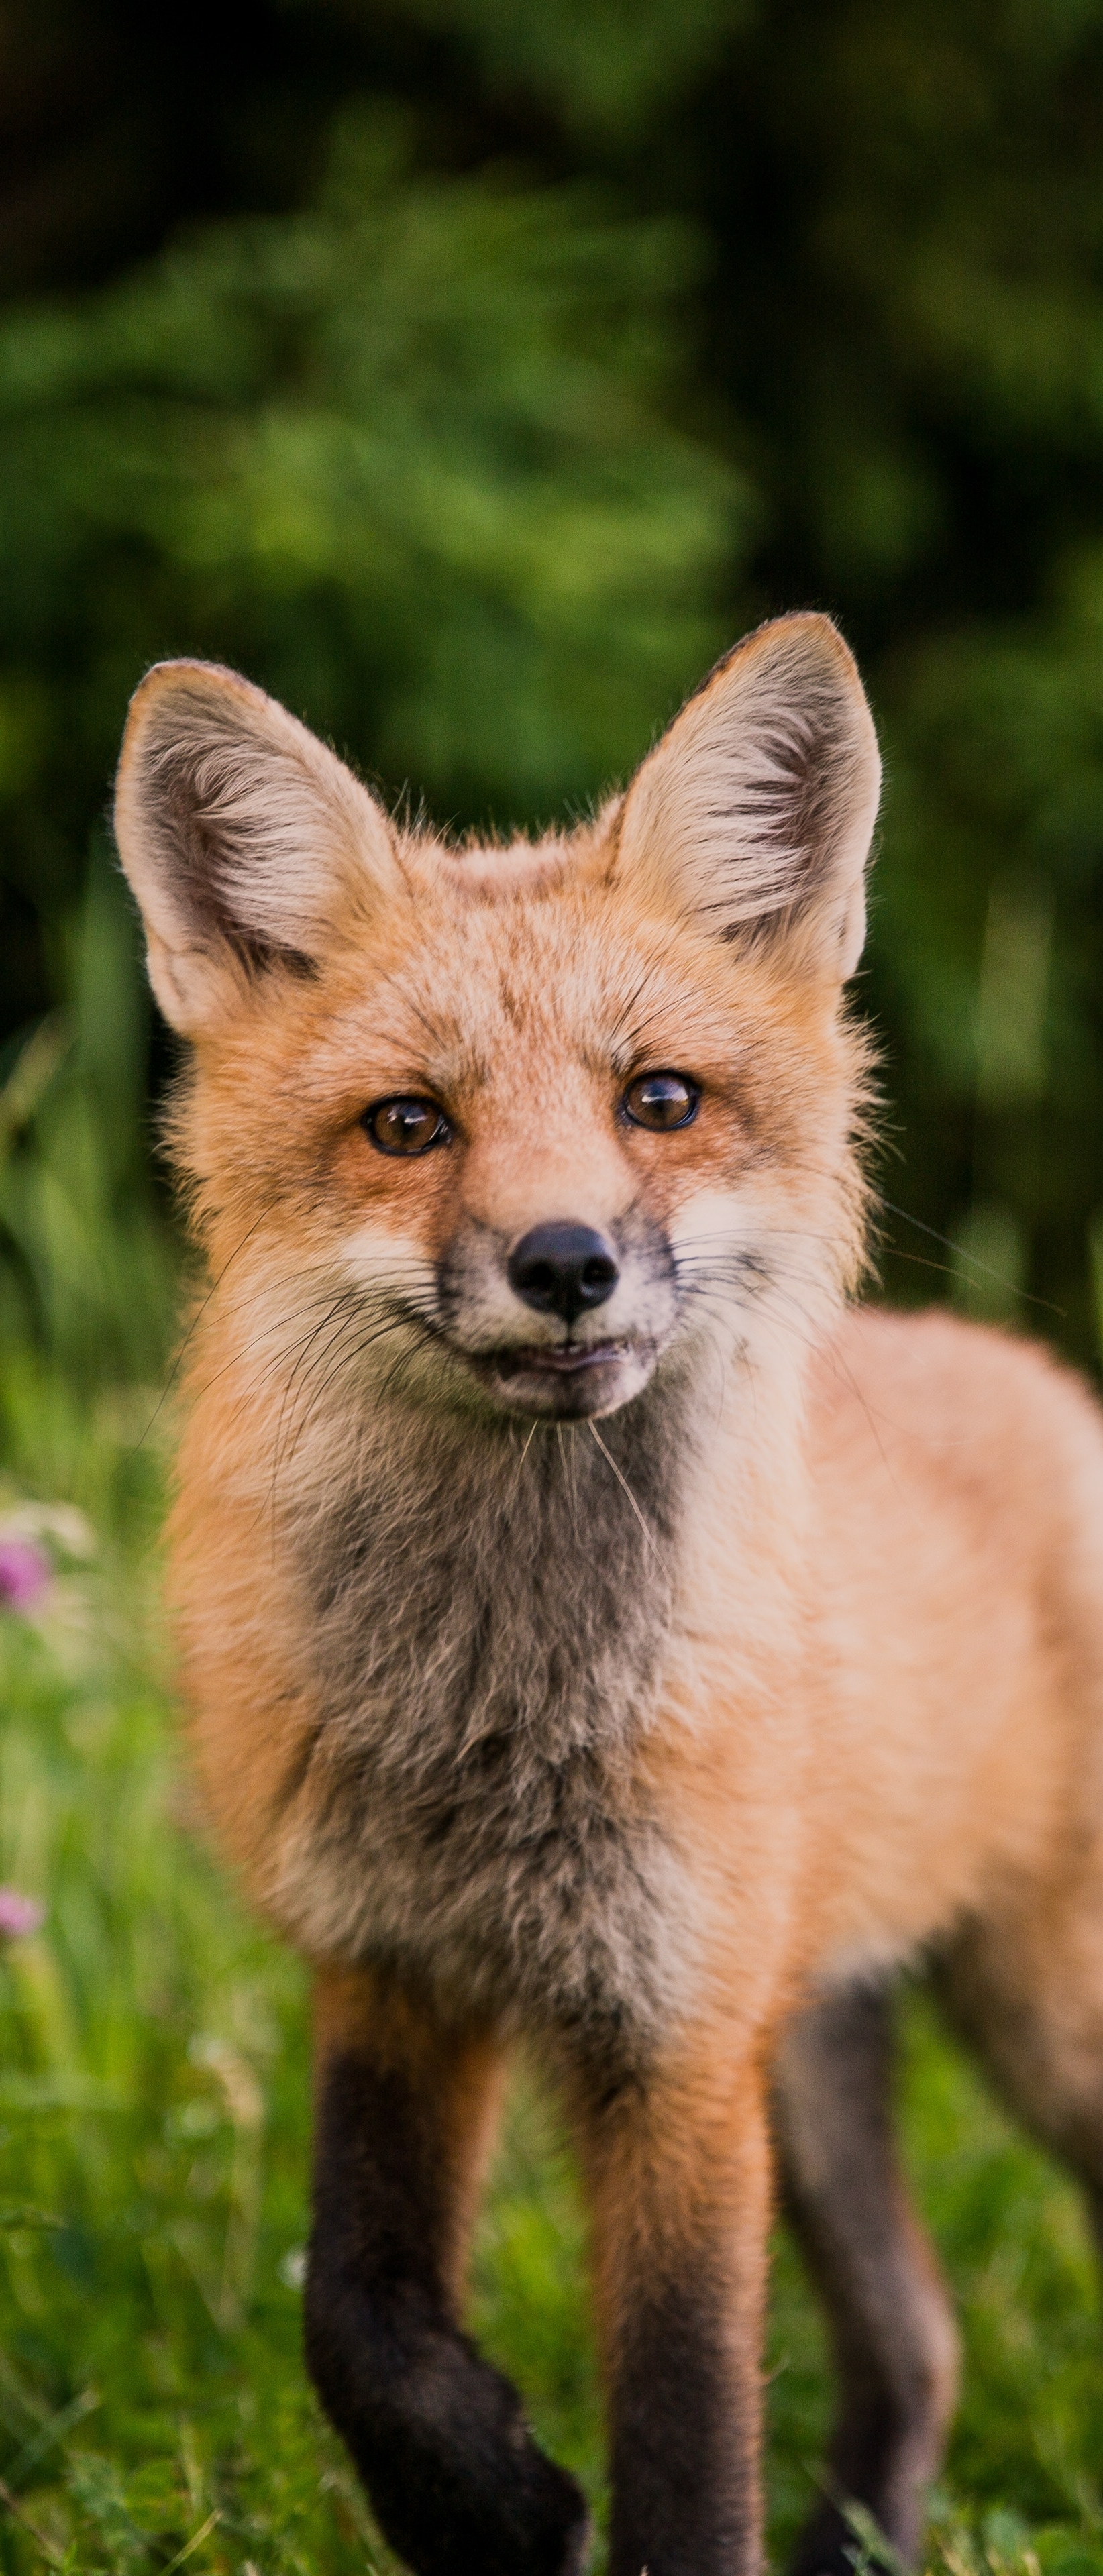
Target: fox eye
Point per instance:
(661, 1100)
(406, 1126)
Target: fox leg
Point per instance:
(893, 2331)
(403, 2115)
(678, 2168)
(1025, 1989)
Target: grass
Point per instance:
(154, 2411)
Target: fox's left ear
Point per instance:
(756, 809)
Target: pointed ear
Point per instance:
(244, 839)
(757, 808)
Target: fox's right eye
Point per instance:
(406, 1126)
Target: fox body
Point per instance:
(595, 1628)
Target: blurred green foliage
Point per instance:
(89, 1274)
(470, 374)
(403, 451)
(561, 346)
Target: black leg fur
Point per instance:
(678, 2169)
(683, 2461)
(438, 2437)
(893, 2332)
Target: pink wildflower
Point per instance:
(18, 1915)
(24, 1573)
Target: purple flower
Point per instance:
(24, 1573)
(18, 1915)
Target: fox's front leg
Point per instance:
(679, 2172)
(403, 2114)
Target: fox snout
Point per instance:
(566, 1320)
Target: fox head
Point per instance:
(526, 1124)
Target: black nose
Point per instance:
(562, 1269)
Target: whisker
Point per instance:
(193, 1328)
(568, 1481)
(627, 1490)
(960, 1254)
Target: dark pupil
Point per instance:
(661, 1100)
(405, 1126)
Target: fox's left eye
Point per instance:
(662, 1100)
(406, 1126)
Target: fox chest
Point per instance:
(476, 1809)
(537, 1891)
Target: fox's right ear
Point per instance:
(244, 839)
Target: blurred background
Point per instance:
(471, 373)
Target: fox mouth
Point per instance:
(567, 1359)
(564, 1379)
(555, 1381)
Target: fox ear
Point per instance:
(757, 807)
(244, 839)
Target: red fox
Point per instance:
(596, 1629)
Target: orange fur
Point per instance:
(876, 1719)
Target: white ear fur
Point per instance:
(757, 807)
(242, 836)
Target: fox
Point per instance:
(600, 1631)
